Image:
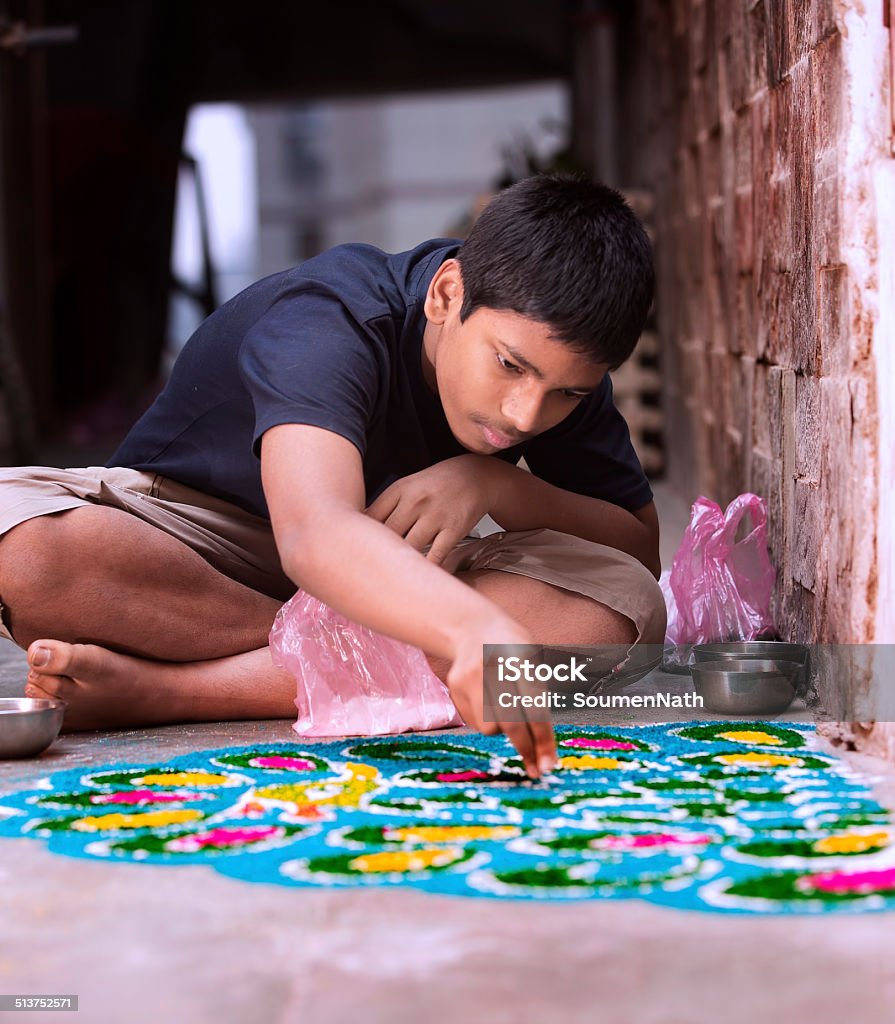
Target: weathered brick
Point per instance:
(710, 166)
(740, 371)
(725, 98)
(807, 538)
(693, 376)
(712, 83)
(745, 315)
(743, 251)
(802, 214)
(800, 15)
(827, 93)
(823, 20)
(718, 385)
(689, 172)
(778, 230)
(722, 14)
(833, 317)
(735, 65)
(766, 484)
(827, 221)
(742, 148)
(776, 411)
(809, 428)
(756, 47)
(680, 65)
(775, 305)
(731, 482)
(779, 47)
(780, 126)
(699, 41)
(761, 172)
(764, 388)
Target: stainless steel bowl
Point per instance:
(28, 725)
(750, 686)
(778, 650)
(739, 649)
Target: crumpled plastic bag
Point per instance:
(719, 589)
(351, 680)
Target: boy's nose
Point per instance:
(521, 412)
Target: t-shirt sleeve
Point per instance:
(591, 453)
(309, 360)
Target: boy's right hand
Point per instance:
(534, 740)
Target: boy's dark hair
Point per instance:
(568, 253)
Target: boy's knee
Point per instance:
(41, 559)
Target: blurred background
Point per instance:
(158, 157)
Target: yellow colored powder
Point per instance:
(450, 833)
(750, 736)
(851, 842)
(756, 760)
(149, 819)
(182, 779)
(406, 860)
(344, 791)
(588, 761)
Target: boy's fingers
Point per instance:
(545, 745)
(384, 505)
(520, 736)
(420, 535)
(441, 547)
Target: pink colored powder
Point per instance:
(222, 837)
(583, 741)
(850, 881)
(140, 796)
(297, 763)
(655, 839)
(467, 776)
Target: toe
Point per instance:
(50, 657)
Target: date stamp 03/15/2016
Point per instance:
(38, 1002)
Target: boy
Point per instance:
(341, 427)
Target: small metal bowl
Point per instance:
(749, 686)
(737, 650)
(28, 725)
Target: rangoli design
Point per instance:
(718, 816)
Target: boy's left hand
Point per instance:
(437, 507)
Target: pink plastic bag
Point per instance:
(720, 588)
(352, 681)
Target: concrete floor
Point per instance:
(183, 944)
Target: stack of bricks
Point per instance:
(738, 122)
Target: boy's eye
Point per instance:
(507, 365)
(575, 395)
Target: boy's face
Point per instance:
(502, 378)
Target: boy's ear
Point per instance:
(445, 292)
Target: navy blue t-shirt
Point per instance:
(337, 343)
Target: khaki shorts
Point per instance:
(241, 545)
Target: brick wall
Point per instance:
(741, 118)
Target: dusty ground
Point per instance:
(183, 944)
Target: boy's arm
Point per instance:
(439, 505)
(313, 482)
(525, 502)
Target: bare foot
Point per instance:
(107, 690)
